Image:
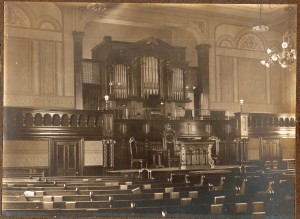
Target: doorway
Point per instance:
(65, 158)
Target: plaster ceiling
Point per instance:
(164, 15)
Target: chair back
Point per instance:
(137, 149)
(170, 141)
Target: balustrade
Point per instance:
(265, 120)
(37, 118)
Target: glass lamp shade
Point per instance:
(274, 57)
(269, 51)
(284, 45)
(263, 62)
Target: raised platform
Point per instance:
(162, 173)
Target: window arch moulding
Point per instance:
(49, 23)
(225, 41)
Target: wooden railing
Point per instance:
(267, 120)
(26, 122)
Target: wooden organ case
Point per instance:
(142, 74)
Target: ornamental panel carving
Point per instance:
(251, 42)
(14, 16)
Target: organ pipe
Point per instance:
(150, 78)
(120, 81)
(177, 84)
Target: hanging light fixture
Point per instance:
(260, 27)
(96, 7)
(287, 56)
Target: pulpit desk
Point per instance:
(196, 153)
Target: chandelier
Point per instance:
(96, 7)
(260, 27)
(287, 56)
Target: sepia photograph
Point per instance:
(149, 109)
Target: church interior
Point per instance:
(149, 109)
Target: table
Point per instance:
(157, 158)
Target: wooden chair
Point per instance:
(186, 201)
(258, 207)
(136, 190)
(174, 195)
(170, 146)
(219, 199)
(169, 189)
(258, 215)
(216, 209)
(137, 153)
(158, 196)
(70, 205)
(47, 205)
(193, 194)
(241, 208)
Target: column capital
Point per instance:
(78, 35)
(203, 46)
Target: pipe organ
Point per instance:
(142, 74)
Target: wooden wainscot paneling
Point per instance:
(271, 149)
(288, 146)
(254, 149)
